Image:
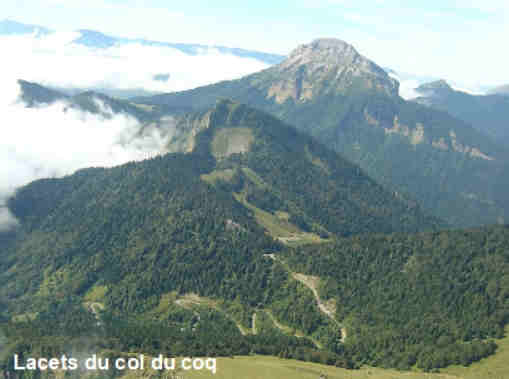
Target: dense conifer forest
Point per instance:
(180, 254)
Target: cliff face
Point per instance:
(487, 113)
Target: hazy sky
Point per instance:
(461, 40)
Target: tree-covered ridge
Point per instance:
(430, 299)
(314, 184)
(111, 225)
(127, 237)
(33, 94)
(137, 256)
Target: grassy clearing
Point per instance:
(24, 317)
(228, 141)
(166, 304)
(263, 367)
(317, 161)
(144, 107)
(216, 175)
(274, 225)
(253, 176)
(52, 281)
(96, 294)
(493, 367)
(277, 225)
(267, 367)
(191, 300)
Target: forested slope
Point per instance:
(429, 299)
(156, 256)
(350, 104)
(148, 242)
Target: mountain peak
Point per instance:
(322, 52)
(92, 38)
(333, 46)
(436, 85)
(11, 27)
(324, 67)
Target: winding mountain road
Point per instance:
(312, 283)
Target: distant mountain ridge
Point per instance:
(501, 90)
(487, 113)
(351, 104)
(9, 27)
(97, 39)
(33, 94)
(437, 87)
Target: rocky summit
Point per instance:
(437, 87)
(326, 66)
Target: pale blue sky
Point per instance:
(461, 40)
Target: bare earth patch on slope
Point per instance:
(289, 330)
(328, 307)
(191, 300)
(313, 282)
(278, 226)
(228, 141)
(216, 175)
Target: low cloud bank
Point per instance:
(406, 87)
(7, 220)
(52, 141)
(55, 60)
(47, 141)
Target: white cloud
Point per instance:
(48, 142)
(467, 90)
(54, 60)
(406, 87)
(7, 221)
